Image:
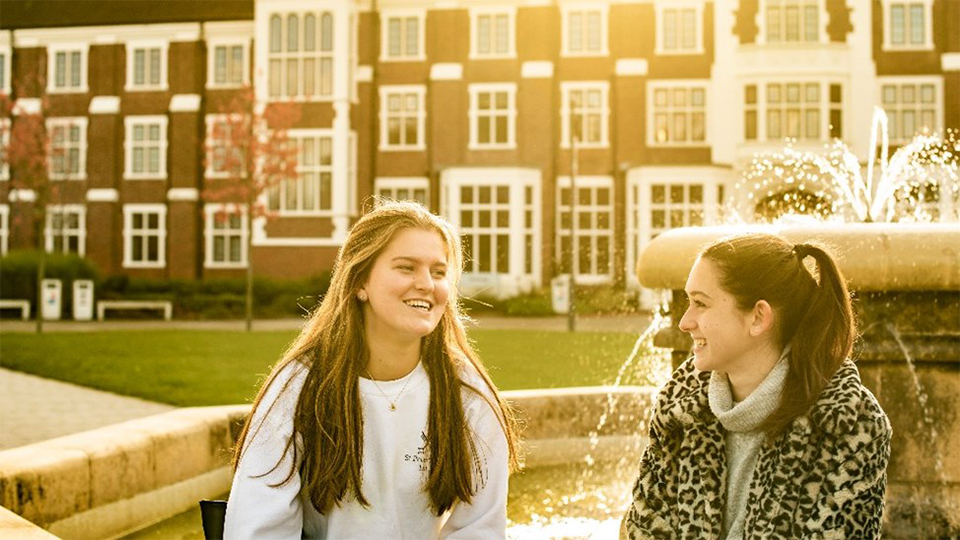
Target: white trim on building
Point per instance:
(65, 229)
(145, 147)
(225, 236)
(493, 116)
(144, 235)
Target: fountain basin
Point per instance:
(115, 480)
(906, 285)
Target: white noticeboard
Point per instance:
(83, 300)
(52, 290)
(560, 293)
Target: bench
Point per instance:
(22, 305)
(165, 305)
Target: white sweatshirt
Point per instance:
(395, 461)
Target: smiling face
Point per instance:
(407, 289)
(719, 328)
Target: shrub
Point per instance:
(18, 275)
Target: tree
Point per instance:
(29, 154)
(248, 156)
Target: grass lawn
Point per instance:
(193, 368)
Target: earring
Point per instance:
(362, 296)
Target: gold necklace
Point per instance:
(393, 404)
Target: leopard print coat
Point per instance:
(822, 478)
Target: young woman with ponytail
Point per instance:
(767, 432)
(379, 421)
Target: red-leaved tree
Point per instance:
(249, 154)
(28, 154)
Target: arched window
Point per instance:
(276, 31)
(310, 33)
(293, 41)
(326, 32)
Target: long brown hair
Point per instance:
(333, 348)
(813, 313)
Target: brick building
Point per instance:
(468, 106)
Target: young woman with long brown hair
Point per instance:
(767, 432)
(380, 420)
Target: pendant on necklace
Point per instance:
(393, 406)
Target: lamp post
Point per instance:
(571, 312)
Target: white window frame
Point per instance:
(128, 124)
(669, 85)
(161, 232)
(679, 5)
(211, 144)
(888, 44)
(49, 232)
(5, 126)
(566, 10)
(4, 229)
(421, 92)
(296, 136)
(228, 43)
(593, 234)
(403, 14)
(66, 123)
(5, 69)
(493, 12)
(894, 113)
(132, 46)
(301, 55)
(822, 21)
(565, 113)
(763, 107)
(510, 113)
(211, 212)
(639, 204)
(66, 49)
(393, 184)
(525, 268)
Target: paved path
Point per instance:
(34, 409)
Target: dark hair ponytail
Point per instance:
(814, 315)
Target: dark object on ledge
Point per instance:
(212, 514)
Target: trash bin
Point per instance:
(560, 293)
(52, 290)
(83, 300)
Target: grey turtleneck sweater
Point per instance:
(743, 439)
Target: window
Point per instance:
(492, 33)
(146, 66)
(493, 114)
(402, 117)
(227, 65)
(145, 146)
(224, 156)
(497, 213)
(68, 148)
(300, 55)
(311, 192)
(584, 31)
(4, 70)
(4, 229)
(907, 25)
(679, 27)
(144, 235)
(4, 144)
(67, 69)
(584, 113)
(911, 106)
(225, 236)
(402, 36)
(592, 216)
(678, 114)
(805, 111)
(65, 230)
(403, 189)
(792, 21)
